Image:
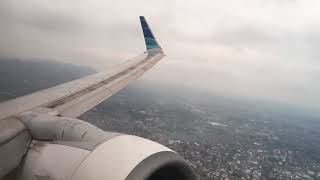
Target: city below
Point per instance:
(222, 137)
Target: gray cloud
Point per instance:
(264, 49)
(50, 21)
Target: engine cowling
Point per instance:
(72, 156)
(122, 157)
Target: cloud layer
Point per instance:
(264, 49)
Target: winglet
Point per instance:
(149, 38)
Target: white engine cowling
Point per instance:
(122, 157)
(71, 149)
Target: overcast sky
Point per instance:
(261, 48)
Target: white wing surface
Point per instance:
(76, 97)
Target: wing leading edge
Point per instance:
(76, 97)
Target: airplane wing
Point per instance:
(76, 97)
(41, 139)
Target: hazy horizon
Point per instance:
(259, 49)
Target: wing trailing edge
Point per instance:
(76, 97)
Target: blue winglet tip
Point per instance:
(149, 38)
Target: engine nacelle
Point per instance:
(72, 154)
(122, 157)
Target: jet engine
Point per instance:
(71, 149)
